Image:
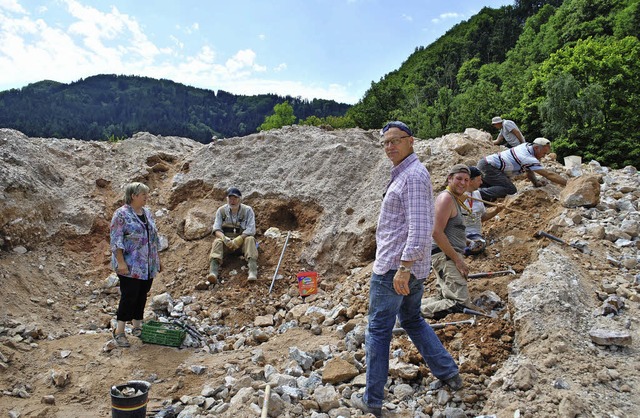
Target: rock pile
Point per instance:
(564, 343)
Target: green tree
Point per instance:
(282, 116)
(587, 95)
(312, 120)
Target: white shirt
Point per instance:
(515, 160)
(473, 222)
(510, 137)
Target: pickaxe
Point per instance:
(471, 321)
(542, 234)
(491, 273)
(474, 312)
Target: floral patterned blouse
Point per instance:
(139, 242)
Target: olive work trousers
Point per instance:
(451, 286)
(249, 249)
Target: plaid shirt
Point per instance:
(405, 223)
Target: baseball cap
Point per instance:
(541, 141)
(396, 124)
(459, 168)
(474, 171)
(495, 120)
(233, 191)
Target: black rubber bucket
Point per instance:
(134, 405)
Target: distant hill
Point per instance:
(108, 106)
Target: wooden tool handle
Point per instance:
(497, 204)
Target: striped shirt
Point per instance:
(405, 223)
(515, 160)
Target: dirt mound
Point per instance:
(325, 188)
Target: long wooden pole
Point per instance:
(279, 261)
(265, 404)
(497, 204)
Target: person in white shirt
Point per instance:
(478, 213)
(497, 169)
(509, 132)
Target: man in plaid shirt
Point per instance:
(403, 259)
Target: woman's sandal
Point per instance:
(136, 332)
(121, 339)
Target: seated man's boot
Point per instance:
(253, 270)
(213, 271)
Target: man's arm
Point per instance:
(250, 228)
(518, 135)
(445, 207)
(499, 140)
(217, 224)
(491, 213)
(556, 178)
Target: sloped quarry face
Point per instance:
(324, 187)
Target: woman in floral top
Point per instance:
(134, 248)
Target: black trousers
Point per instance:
(495, 184)
(133, 298)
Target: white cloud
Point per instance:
(110, 42)
(447, 16)
(242, 59)
(253, 86)
(262, 37)
(177, 41)
(12, 6)
(407, 18)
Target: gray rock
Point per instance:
(609, 337)
(326, 397)
(302, 358)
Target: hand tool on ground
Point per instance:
(542, 234)
(439, 325)
(491, 273)
(279, 261)
(190, 330)
(486, 202)
(265, 404)
(474, 312)
(471, 321)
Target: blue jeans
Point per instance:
(384, 305)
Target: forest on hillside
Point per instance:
(115, 106)
(567, 70)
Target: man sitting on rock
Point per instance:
(234, 227)
(497, 169)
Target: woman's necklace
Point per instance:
(140, 215)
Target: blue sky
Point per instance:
(330, 49)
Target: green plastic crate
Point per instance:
(155, 332)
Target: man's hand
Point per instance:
(462, 267)
(237, 242)
(540, 183)
(401, 282)
(228, 242)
